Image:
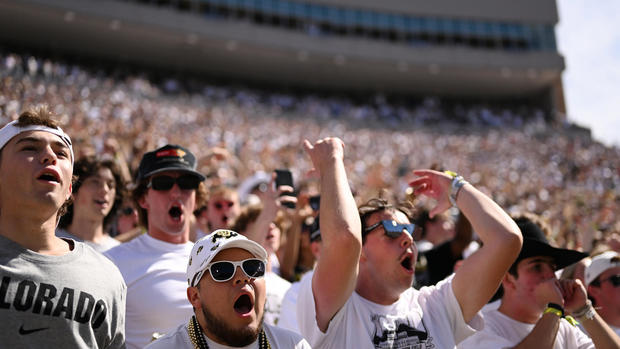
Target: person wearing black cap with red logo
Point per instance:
(153, 264)
(537, 310)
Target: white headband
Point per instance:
(11, 130)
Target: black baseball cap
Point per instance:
(170, 157)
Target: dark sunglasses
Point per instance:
(185, 182)
(222, 271)
(221, 204)
(391, 228)
(614, 280)
(126, 211)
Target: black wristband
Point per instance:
(557, 307)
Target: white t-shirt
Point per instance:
(200, 234)
(288, 309)
(154, 272)
(276, 287)
(277, 337)
(428, 318)
(275, 263)
(501, 331)
(107, 243)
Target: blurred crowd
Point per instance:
(515, 155)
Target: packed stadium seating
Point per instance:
(513, 153)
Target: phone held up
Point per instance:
(285, 177)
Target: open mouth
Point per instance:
(175, 212)
(243, 305)
(407, 263)
(49, 177)
(101, 202)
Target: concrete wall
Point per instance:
(228, 49)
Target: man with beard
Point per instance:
(153, 264)
(227, 291)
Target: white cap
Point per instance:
(208, 247)
(600, 263)
(245, 188)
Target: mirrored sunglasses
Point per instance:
(185, 182)
(222, 271)
(391, 228)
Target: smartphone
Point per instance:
(285, 177)
(315, 202)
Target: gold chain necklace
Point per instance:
(199, 341)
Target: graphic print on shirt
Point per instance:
(46, 299)
(399, 333)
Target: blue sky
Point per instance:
(588, 37)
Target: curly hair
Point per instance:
(87, 167)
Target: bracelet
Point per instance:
(457, 183)
(559, 311)
(586, 311)
(555, 309)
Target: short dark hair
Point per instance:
(378, 205)
(87, 167)
(522, 217)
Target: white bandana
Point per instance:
(11, 130)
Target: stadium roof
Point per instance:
(158, 37)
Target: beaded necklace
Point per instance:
(199, 341)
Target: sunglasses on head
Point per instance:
(391, 228)
(185, 182)
(614, 280)
(222, 271)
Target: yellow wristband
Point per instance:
(553, 311)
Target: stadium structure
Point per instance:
(488, 49)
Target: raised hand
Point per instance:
(434, 184)
(271, 199)
(574, 294)
(549, 291)
(324, 152)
